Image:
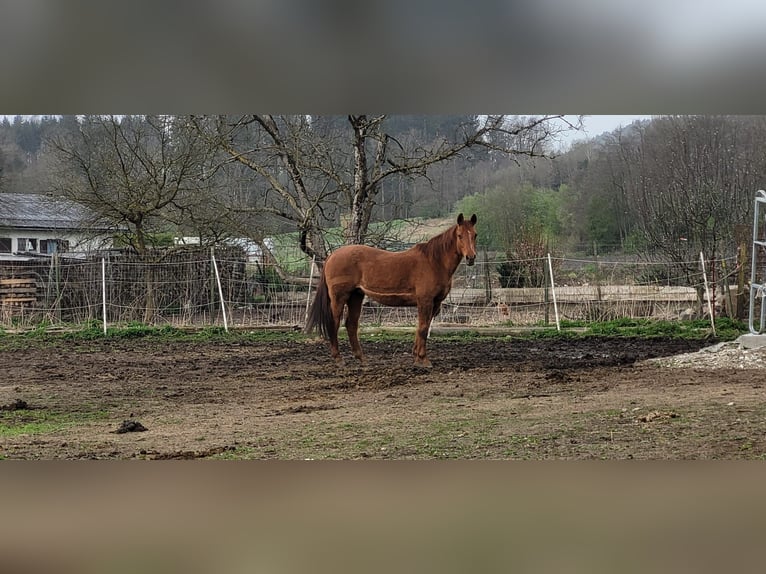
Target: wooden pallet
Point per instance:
(18, 292)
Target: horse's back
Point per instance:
(388, 277)
(362, 257)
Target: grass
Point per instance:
(42, 337)
(42, 421)
(452, 437)
(726, 330)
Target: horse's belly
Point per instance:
(392, 299)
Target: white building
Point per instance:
(33, 225)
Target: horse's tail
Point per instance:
(320, 314)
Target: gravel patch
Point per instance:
(727, 355)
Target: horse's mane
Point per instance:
(439, 245)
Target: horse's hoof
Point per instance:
(423, 364)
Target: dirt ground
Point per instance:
(500, 398)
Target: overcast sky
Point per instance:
(596, 125)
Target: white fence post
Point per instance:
(553, 292)
(707, 293)
(220, 293)
(103, 291)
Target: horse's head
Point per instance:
(466, 238)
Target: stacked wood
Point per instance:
(18, 292)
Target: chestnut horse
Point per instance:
(420, 276)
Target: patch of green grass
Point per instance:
(42, 421)
(448, 438)
(386, 335)
(40, 337)
(399, 335)
(726, 329)
(518, 446)
(459, 437)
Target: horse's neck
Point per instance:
(451, 258)
(453, 263)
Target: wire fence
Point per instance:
(222, 287)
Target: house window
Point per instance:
(5, 244)
(27, 244)
(50, 246)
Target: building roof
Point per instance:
(32, 210)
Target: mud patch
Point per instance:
(499, 398)
(17, 405)
(130, 426)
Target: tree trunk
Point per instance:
(366, 184)
(150, 303)
(356, 229)
(312, 242)
(151, 299)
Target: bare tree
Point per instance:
(317, 176)
(285, 154)
(690, 181)
(137, 173)
(140, 174)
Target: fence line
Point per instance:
(222, 288)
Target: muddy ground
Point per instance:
(498, 398)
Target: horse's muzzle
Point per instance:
(470, 260)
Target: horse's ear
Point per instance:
(473, 219)
(460, 219)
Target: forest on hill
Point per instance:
(667, 188)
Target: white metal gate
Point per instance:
(757, 288)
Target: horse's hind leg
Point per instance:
(355, 301)
(337, 302)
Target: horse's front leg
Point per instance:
(419, 351)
